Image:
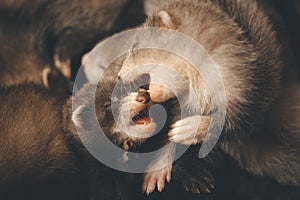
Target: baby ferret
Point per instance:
(42, 156)
(40, 147)
(58, 32)
(127, 132)
(35, 36)
(243, 42)
(18, 66)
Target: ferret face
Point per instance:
(133, 116)
(123, 115)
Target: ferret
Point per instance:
(134, 127)
(41, 153)
(284, 14)
(18, 67)
(40, 145)
(41, 35)
(127, 132)
(247, 49)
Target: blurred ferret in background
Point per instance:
(39, 36)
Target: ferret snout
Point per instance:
(143, 96)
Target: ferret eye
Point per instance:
(107, 104)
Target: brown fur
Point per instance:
(36, 160)
(38, 34)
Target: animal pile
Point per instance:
(254, 47)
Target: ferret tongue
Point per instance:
(143, 121)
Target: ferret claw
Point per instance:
(195, 178)
(156, 179)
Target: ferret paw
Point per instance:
(197, 185)
(157, 179)
(190, 131)
(195, 179)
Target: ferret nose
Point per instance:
(143, 96)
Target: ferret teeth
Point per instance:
(135, 118)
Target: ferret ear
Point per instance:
(52, 78)
(84, 58)
(45, 75)
(162, 19)
(64, 66)
(85, 117)
(77, 116)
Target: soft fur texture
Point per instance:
(244, 42)
(39, 34)
(35, 157)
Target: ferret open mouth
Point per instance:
(138, 125)
(141, 115)
(142, 118)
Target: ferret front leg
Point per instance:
(190, 131)
(157, 179)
